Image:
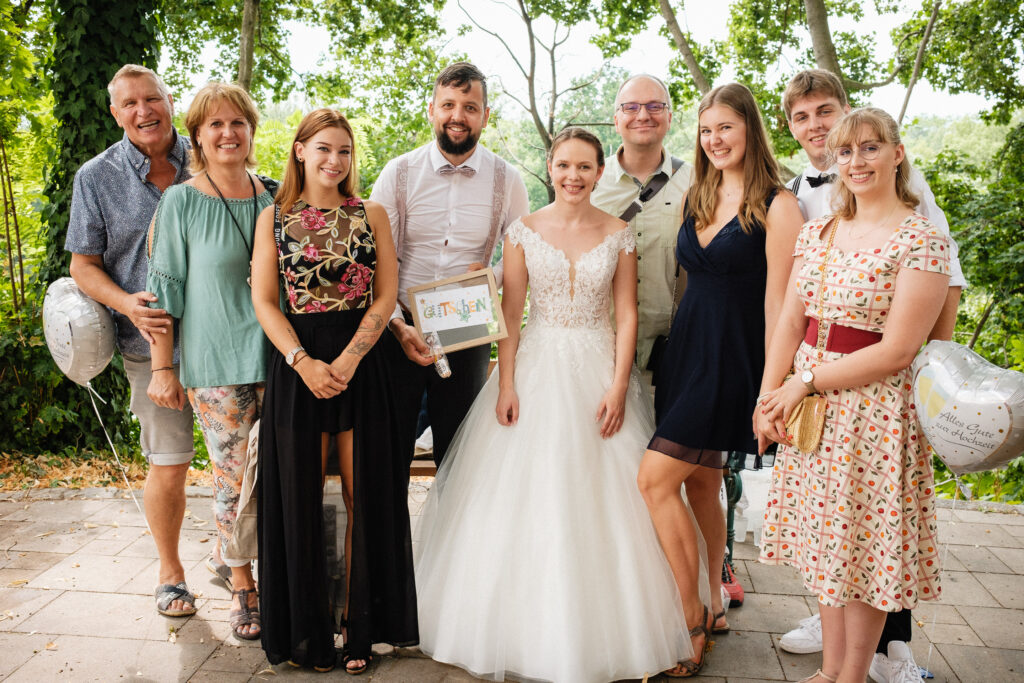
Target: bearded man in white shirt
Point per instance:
(450, 202)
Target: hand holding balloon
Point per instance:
(149, 321)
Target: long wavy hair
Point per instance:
(295, 173)
(847, 133)
(760, 170)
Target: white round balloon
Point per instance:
(971, 410)
(79, 331)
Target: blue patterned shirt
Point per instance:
(111, 208)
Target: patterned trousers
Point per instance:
(226, 414)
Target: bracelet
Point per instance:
(169, 367)
(301, 358)
(760, 399)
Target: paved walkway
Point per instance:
(77, 570)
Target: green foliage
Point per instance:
(977, 47)
(92, 40)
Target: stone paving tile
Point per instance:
(950, 562)
(1012, 558)
(83, 572)
(121, 512)
(415, 670)
(113, 541)
(927, 655)
(193, 544)
(1000, 628)
(961, 588)
(958, 634)
(977, 559)
(106, 614)
(984, 517)
(984, 664)
(57, 511)
(18, 604)
(18, 648)
(18, 577)
(989, 535)
(229, 657)
(52, 537)
(1008, 589)
(203, 676)
(9, 506)
(779, 579)
(771, 613)
(745, 551)
(794, 667)
(82, 658)
(927, 612)
(743, 654)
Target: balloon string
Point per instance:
(124, 472)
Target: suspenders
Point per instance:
(497, 205)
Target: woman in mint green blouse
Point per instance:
(200, 246)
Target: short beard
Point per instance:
(449, 146)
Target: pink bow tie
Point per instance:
(448, 169)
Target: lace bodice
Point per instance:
(567, 294)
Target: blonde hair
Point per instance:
(811, 81)
(206, 100)
(294, 172)
(136, 71)
(846, 133)
(760, 170)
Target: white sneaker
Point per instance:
(898, 667)
(425, 441)
(805, 639)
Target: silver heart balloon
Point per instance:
(971, 410)
(79, 331)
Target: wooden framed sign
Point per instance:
(463, 310)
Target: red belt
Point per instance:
(840, 338)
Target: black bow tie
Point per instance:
(818, 181)
(448, 169)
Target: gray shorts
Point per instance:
(166, 433)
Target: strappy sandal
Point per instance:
(245, 615)
(719, 630)
(347, 656)
(221, 570)
(167, 593)
(692, 667)
(817, 673)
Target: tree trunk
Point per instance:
(821, 37)
(683, 45)
(246, 43)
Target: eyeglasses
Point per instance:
(633, 108)
(866, 151)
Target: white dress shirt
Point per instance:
(448, 217)
(816, 202)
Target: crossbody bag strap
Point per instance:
(401, 202)
(820, 346)
(647, 193)
(497, 208)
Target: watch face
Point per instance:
(807, 377)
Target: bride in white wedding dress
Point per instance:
(535, 556)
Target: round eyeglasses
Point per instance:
(633, 108)
(866, 151)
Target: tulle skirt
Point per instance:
(535, 555)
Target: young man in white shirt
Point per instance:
(449, 202)
(813, 102)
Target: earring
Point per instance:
(300, 160)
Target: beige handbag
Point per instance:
(807, 421)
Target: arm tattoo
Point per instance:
(366, 336)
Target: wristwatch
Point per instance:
(289, 357)
(807, 377)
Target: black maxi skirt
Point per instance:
(294, 605)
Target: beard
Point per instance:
(449, 146)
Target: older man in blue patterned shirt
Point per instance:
(114, 199)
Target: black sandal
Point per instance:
(347, 657)
(692, 667)
(245, 615)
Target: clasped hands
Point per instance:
(773, 409)
(327, 380)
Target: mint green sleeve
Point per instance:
(168, 256)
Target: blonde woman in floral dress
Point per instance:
(331, 256)
(856, 515)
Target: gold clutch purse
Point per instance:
(807, 422)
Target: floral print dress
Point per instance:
(326, 258)
(857, 515)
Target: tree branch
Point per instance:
(498, 37)
(919, 59)
(518, 162)
(683, 45)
